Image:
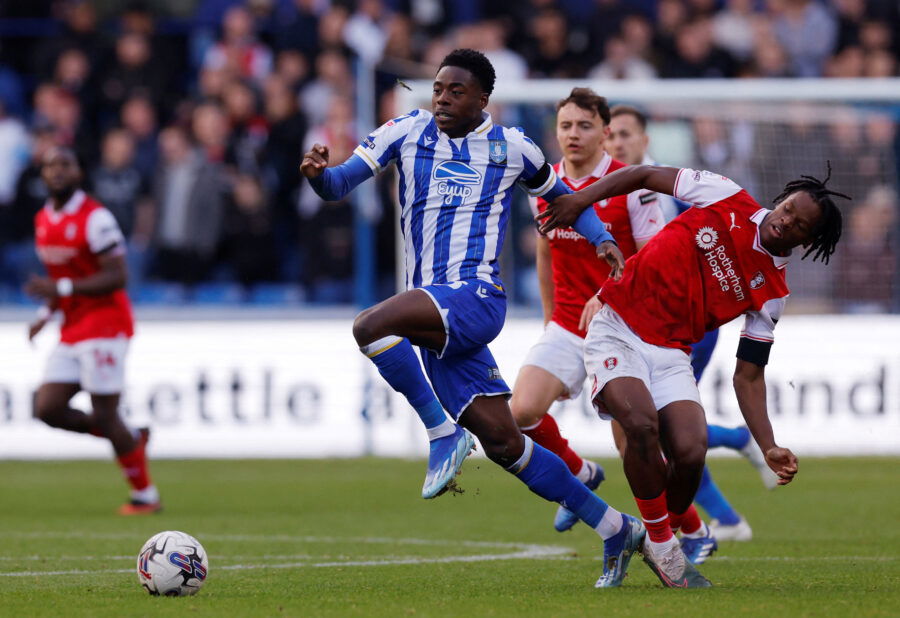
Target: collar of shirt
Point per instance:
(780, 260)
(69, 208)
(599, 171)
(484, 127)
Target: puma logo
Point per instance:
(733, 224)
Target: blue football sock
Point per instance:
(549, 477)
(713, 501)
(734, 438)
(399, 366)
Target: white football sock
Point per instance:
(149, 494)
(610, 524)
(444, 429)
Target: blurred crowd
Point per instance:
(190, 118)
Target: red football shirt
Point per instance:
(704, 269)
(69, 242)
(577, 271)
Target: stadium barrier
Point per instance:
(283, 388)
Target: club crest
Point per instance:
(497, 150)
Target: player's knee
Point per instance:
(45, 410)
(689, 456)
(640, 429)
(502, 448)
(366, 327)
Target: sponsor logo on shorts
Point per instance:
(706, 238)
(494, 374)
(757, 281)
(610, 363)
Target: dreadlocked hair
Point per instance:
(828, 231)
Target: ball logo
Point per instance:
(71, 230)
(611, 362)
(706, 238)
(757, 281)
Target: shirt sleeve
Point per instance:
(645, 214)
(758, 335)
(382, 145)
(103, 233)
(702, 188)
(538, 177)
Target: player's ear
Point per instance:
(606, 132)
(484, 99)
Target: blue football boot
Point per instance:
(698, 549)
(617, 552)
(444, 460)
(565, 519)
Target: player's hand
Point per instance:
(35, 327)
(561, 212)
(591, 308)
(609, 252)
(783, 463)
(315, 161)
(41, 287)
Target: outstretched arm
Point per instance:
(750, 388)
(333, 183)
(566, 209)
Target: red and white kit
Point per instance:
(578, 273)
(96, 329)
(704, 269)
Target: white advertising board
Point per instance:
(300, 388)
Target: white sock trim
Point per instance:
(610, 524)
(655, 521)
(585, 473)
(525, 459)
(377, 347)
(444, 429)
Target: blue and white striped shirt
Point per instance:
(455, 193)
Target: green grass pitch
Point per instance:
(353, 538)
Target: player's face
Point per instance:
(580, 133)
(60, 171)
(457, 101)
(790, 224)
(627, 141)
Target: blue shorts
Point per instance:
(473, 313)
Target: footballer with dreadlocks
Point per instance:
(723, 258)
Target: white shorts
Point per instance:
(560, 353)
(612, 350)
(98, 365)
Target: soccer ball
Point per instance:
(173, 564)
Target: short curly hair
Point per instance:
(475, 63)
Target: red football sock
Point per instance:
(656, 517)
(134, 466)
(690, 520)
(546, 433)
(675, 521)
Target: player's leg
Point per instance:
(51, 405)
(545, 474)
(535, 391)
(618, 435)
(61, 382)
(386, 333)
(130, 452)
(102, 364)
(683, 433)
